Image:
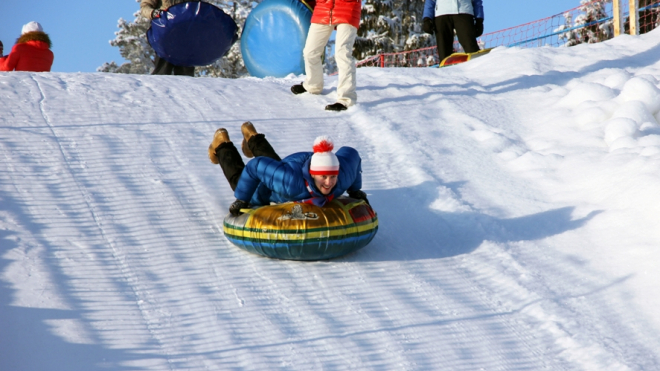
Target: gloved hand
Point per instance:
(428, 25)
(358, 195)
(235, 208)
(1, 49)
(156, 13)
(478, 26)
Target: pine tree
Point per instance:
(587, 27)
(390, 26)
(330, 65)
(135, 49)
(231, 65)
(133, 46)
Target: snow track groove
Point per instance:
(112, 245)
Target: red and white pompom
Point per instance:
(323, 144)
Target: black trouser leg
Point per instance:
(444, 36)
(259, 146)
(464, 26)
(184, 71)
(231, 162)
(162, 67)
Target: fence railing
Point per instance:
(591, 22)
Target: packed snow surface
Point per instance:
(518, 196)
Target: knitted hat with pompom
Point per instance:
(324, 162)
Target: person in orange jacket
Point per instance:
(328, 15)
(31, 51)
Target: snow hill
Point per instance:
(518, 196)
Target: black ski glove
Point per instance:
(235, 208)
(428, 26)
(478, 26)
(358, 195)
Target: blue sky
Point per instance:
(81, 29)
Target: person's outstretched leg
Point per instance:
(222, 151)
(255, 144)
(260, 147)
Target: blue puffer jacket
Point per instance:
(265, 180)
(436, 8)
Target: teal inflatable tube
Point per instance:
(274, 37)
(300, 231)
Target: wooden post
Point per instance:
(616, 10)
(634, 17)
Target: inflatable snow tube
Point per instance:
(274, 36)
(192, 34)
(457, 58)
(298, 231)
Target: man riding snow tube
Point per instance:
(313, 180)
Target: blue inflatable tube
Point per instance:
(274, 36)
(192, 34)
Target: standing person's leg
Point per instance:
(222, 151)
(466, 33)
(317, 39)
(444, 36)
(184, 71)
(346, 83)
(161, 67)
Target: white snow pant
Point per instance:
(317, 38)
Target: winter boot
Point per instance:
(298, 89)
(336, 107)
(220, 136)
(248, 131)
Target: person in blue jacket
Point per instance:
(442, 17)
(311, 177)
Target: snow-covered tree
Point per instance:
(135, 49)
(231, 65)
(390, 26)
(330, 64)
(588, 26)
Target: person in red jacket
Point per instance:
(31, 51)
(328, 15)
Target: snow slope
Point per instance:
(518, 198)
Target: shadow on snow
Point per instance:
(410, 230)
(28, 342)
